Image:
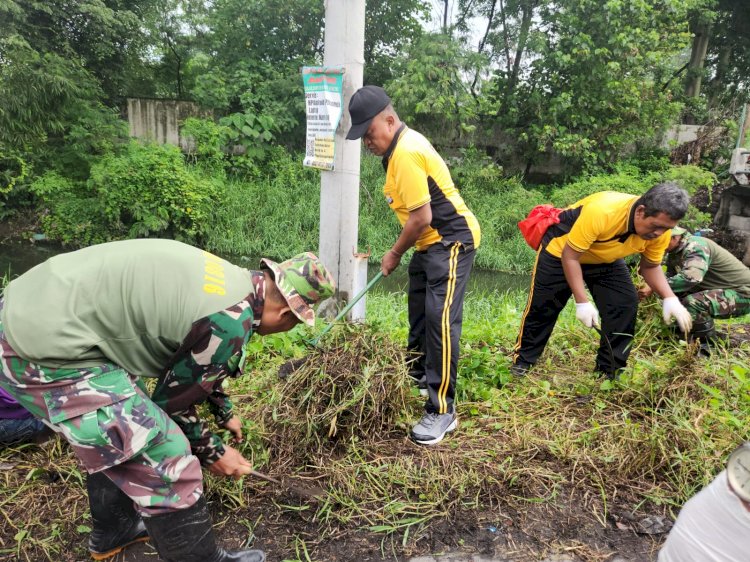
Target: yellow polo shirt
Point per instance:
(415, 176)
(601, 227)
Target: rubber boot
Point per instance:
(187, 536)
(705, 333)
(116, 522)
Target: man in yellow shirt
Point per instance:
(435, 219)
(586, 249)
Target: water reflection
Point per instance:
(16, 259)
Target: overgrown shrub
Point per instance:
(72, 215)
(627, 181)
(208, 142)
(498, 203)
(691, 178)
(273, 214)
(277, 212)
(145, 191)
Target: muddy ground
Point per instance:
(539, 533)
(571, 526)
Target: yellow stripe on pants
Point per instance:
(528, 306)
(445, 330)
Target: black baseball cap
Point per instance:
(364, 105)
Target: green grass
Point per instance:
(648, 441)
(560, 435)
(276, 214)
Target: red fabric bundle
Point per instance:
(534, 226)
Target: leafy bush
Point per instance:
(691, 178)
(146, 191)
(625, 182)
(73, 214)
(630, 180)
(149, 191)
(209, 142)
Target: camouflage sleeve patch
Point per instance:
(180, 398)
(691, 267)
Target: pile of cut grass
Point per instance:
(353, 391)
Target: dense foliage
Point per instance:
(147, 190)
(277, 214)
(585, 83)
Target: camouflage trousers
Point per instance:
(112, 425)
(716, 303)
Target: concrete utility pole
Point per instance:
(339, 189)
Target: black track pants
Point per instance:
(437, 285)
(614, 296)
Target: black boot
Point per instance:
(187, 536)
(116, 522)
(705, 334)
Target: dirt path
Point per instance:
(542, 533)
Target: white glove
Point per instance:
(587, 314)
(672, 308)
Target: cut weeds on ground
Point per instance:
(558, 461)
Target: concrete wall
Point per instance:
(734, 216)
(680, 134)
(160, 120)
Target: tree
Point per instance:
(391, 28)
(242, 58)
(720, 75)
(103, 36)
(60, 64)
(595, 76)
(430, 91)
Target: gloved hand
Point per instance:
(672, 308)
(587, 314)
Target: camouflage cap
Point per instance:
(678, 231)
(304, 281)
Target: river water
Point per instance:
(17, 258)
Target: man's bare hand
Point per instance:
(234, 426)
(391, 261)
(231, 463)
(644, 291)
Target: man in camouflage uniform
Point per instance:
(710, 282)
(79, 331)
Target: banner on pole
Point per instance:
(324, 104)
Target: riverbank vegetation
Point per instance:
(558, 461)
(149, 191)
(589, 103)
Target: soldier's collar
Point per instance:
(683, 242)
(257, 298)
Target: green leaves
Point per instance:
(146, 191)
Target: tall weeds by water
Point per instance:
(276, 212)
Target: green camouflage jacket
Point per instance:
(700, 264)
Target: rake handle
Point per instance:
(348, 307)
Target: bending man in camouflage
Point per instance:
(710, 282)
(79, 331)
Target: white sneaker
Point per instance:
(432, 427)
